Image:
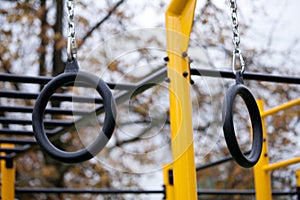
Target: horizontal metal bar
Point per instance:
(194, 71)
(282, 193)
(242, 192)
(55, 97)
(225, 192)
(90, 191)
(42, 80)
(15, 149)
(22, 132)
(15, 132)
(112, 191)
(281, 164)
(4, 120)
(281, 107)
(53, 111)
(24, 79)
(16, 141)
(247, 75)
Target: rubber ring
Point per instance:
(109, 120)
(228, 127)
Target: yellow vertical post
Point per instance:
(168, 182)
(298, 183)
(298, 178)
(262, 178)
(7, 177)
(179, 20)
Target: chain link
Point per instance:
(71, 46)
(235, 24)
(237, 53)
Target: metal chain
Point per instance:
(237, 53)
(71, 46)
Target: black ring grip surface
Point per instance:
(228, 127)
(109, 120)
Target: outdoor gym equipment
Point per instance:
(180, 178)
(72, 75)
(239, 89)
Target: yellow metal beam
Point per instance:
(7, 177)
(262, 168)
(281, 107)
(179, 19)
(281, 164)
(262, 178)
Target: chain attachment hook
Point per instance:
(237, 54)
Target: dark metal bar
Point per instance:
(23, 132)
(247, 75)
(19, 109)
(53, 111)
(16, 141)
(90, 191)
(218, 162)
(226, 192)
(149, 82)
(15, 149)
(194, 71)
(24, 79)
(44, 80)
(281, 193)
(112, 191)
(55, 97)
(15, 132)
(29, 122)
(242, 192)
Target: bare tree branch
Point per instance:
(96, 26)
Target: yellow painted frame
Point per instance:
(298, 178)
(179, 20)
(7, 177)
(262, 169)
(262, 178)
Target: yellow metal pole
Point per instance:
(169, 182)
(281, 164)
(298, 183)
(298, 178)
(7, 177)
(179, 20)
(262, 178)
(281, 107)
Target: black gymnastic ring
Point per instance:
(40, 106)
(228, 127)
